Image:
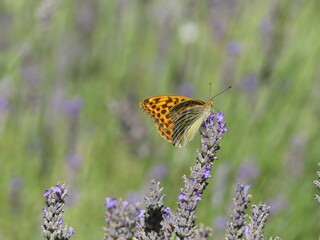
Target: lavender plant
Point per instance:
(157, 221)
(152, 220)
(52, 227)
(236, 226)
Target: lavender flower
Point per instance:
(74, 160)
(249, 83)
(259, 217)
(234, 48)
(73, 106)
(128, 221)
(195, 185)
(4, 103)
(52, 227)
(157, 219)
(121, 219)
(317, 183)
(236, 226)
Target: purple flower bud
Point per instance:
(234, 48)
(110, 202)
(220, 117)
(73, 106)
(58, 190)
(71, 231)
(167, 211)
(249, 83)
(4, 103)
(197, 196)
(206, 173)
(74, 160)
(209, 120)
(47, 193)
(140, 214)
(181, 197)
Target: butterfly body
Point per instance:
(177, 118)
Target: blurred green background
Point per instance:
(72, 74)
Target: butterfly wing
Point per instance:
(159, 108)
(187, 118)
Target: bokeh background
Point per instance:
(73, 73)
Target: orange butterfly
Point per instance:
(177, 118)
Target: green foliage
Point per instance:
(100, 58)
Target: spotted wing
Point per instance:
(159, 108)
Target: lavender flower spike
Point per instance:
(195, 185)
(259, 217)
(52, 214)
(237, 226)
(157, 219)
(121, 219)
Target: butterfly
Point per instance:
(177, 118)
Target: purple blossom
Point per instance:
(71, 231)
(197, 196)
(73, 106)
(4, 103)
(52, 227)
(220, 117)
(182, 197)
(206, 173)
(139, 214)
(58, 190)
(47, 193)
(110, 202)
(209, 120)
(249, 83)
(234, 48)
(221, 123)
(167, 211)
(74, 160)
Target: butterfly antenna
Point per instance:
(221, 92)
(209, 89)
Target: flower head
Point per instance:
(206, 172)
(73, 106)
(52, 214)
(182, 197)
(110, 202)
